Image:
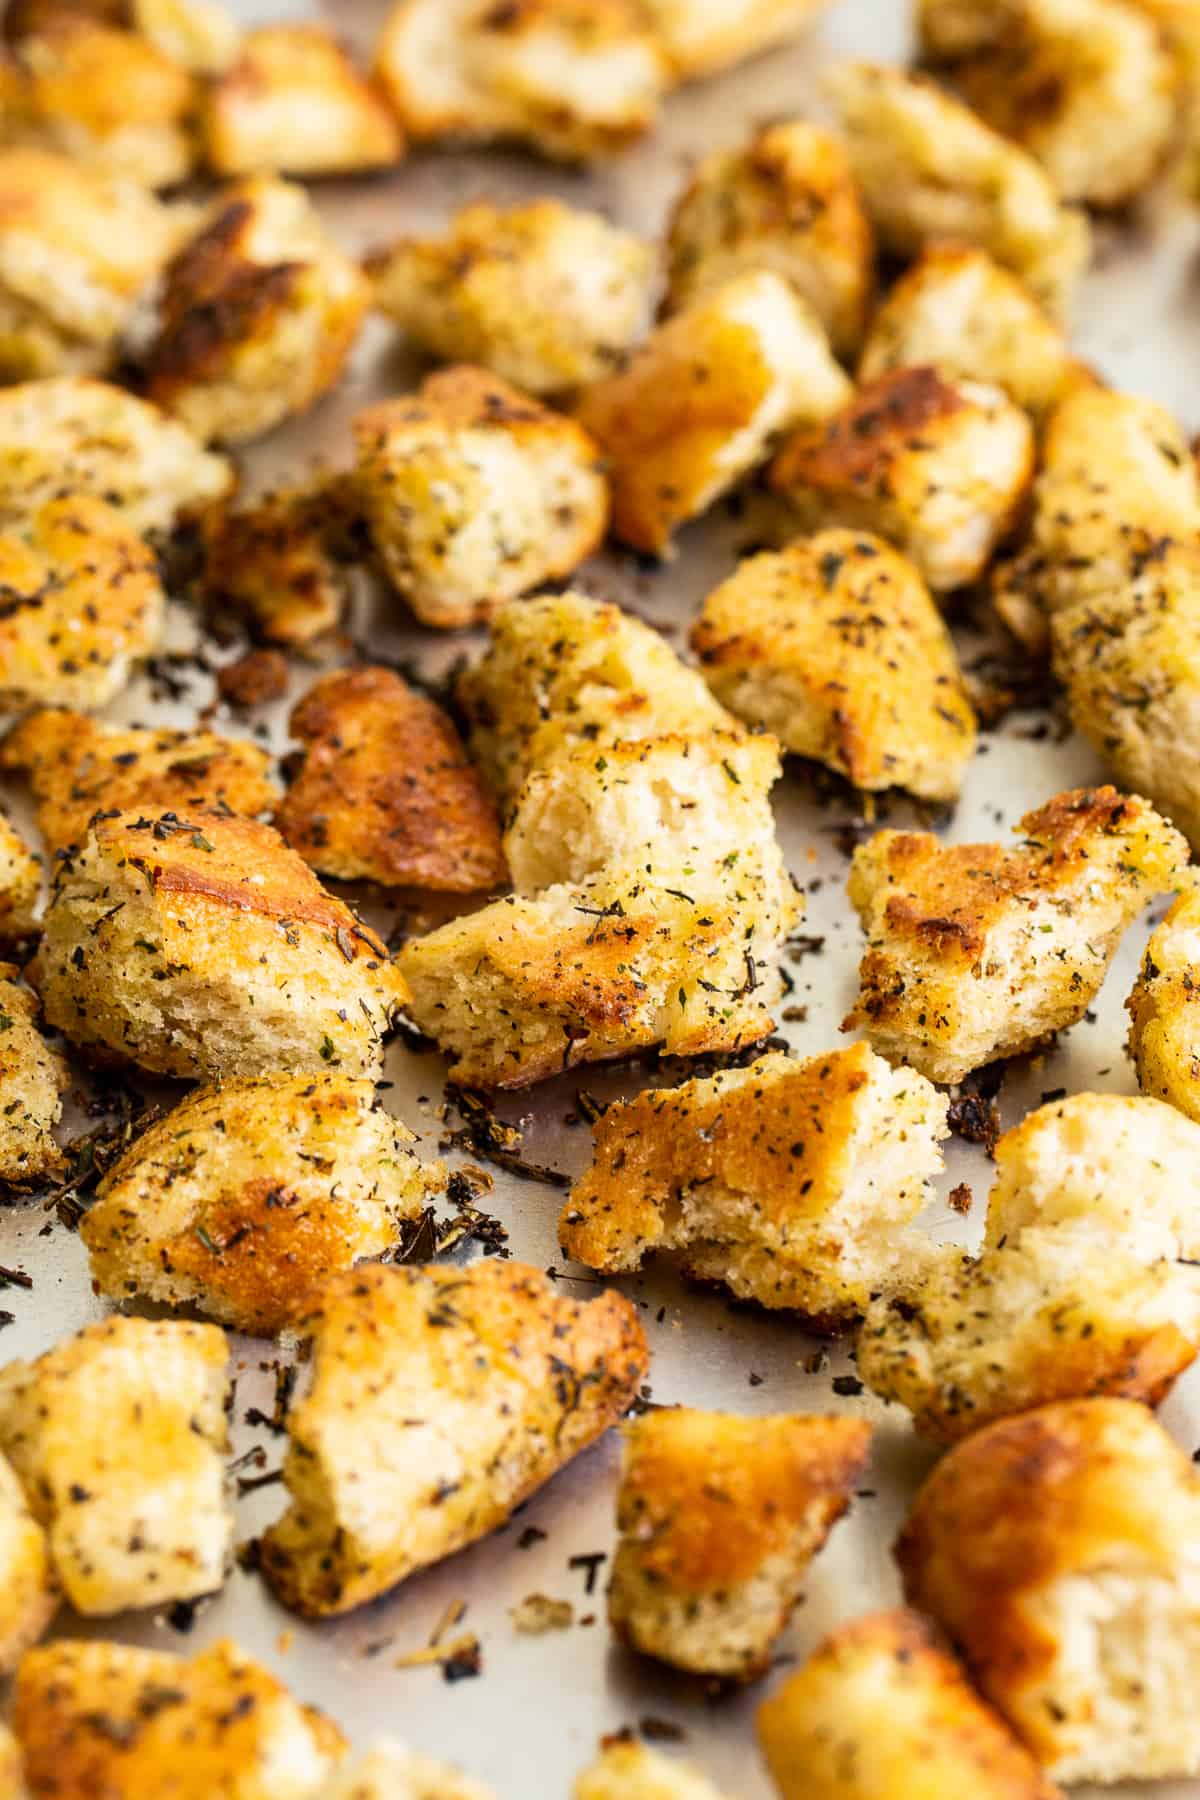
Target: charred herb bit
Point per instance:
(418, 1239)
(470, 1220)
(959, 1198)
(7, 1318)
(847, 1385)
(90, 1157)
(181, 1614)
(591, 1561)
(532, 1534)
(660, 1731)
(247, 1484)
(492, 1140)
(975, 1119)
(285, 1383)
(803, 944)
(14, 1278)
(588, 1107)
(460, 1657)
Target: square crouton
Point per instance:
(102, 1718)
(1061, 1552)
(836, 646)
(28, 1594)
(702, 37)
(293, 103)
(257, 316)
(932, 171)
(545, 295)
(203, 947)
(83, 604)
(790, 1182)
(976, 951)
(701, 403)
(720, 1518)
(1087, 1282)
(938, 468)
(33, 1078)
(880, 1704)
(20, 884)
(388, 1771)
(786, 200)
(440, 1398)
(627, 1770)
(117, 1436)
(244, 1197)
(385, 791)
(473, 494)
(572, 79)
(1164, 1007)
(281, 561)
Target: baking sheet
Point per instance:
(533, 1716)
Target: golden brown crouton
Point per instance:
(880, 1711)
(961, 312)
(932, 171)
(627, 1770)
(117, 1436)
(790, 1182)
(385, 791)
(1087, 1282)
(473, 493)
(440, 1399)
(200, 35)
(12, 1773)
(1087, 86)
(976, 952)
(281, 561)
(720, 1518)
(836, 646)
(702, 37)
(1061, 1551)
(82, 605)
(390, 1772)
(259, 312)
(293, 103)
(703, 400)
(28, 1595)
(571, 78)
(1164, 1037)
(33, 1078)
(938, 468)
(788, 201)
(203, 947)
(105, 1719)
(20, 883)
(546, 295)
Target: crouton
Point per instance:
(203, 947)
(20, 883)
(1179, 23)
(961, 312)
(246, 1195)
(200, 35)
(83, 604)
(702, 37)
(473, 493)
(788, 201)
(102, 1718)
(493, 1382)
(976, 952)
(12, 1773)
(572, 79)
(28, 1595)
(117, 1436)
(836, 646)
(938, 468)
(880, 1710)
(281, 561)
(1164, 1036)
(1060, 1550)
(1087, 86)
(33, 1078)
(627, 1770)
(703, 400)
(931, 170)
(77, 249)
(545, 295)
(385, 791)
(390, 1772)
(719, 1519)
(259, 312)
(1087, 1282)
(293, 103)
(790, 1182)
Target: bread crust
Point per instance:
(632, 1771)
(28, 1590)
(33, 1079)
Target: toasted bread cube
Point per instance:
(77, 249)
(702, 37)
(1164, 1036)
(1086, 1283)
(787, 200)
(632, 1771)
(880, 1711)
(1087, 86)
(28, 1593)
(388, 1771)
(1179, 23)
(259, 312)
(961, 312)
(938, 468)
(719, 1519)
(199, 35)
(440, 1398)
(473, 494)
(203, 947)
(573, 79)
(976, 951)
(83, 604)
(1061, 1552)
(280, 561)
(12, 1771)
(703, 400)
(20, 883)
(791, 1182)
(33, 1078)
(117, 1436)
(293, 103)
(385, 790)
(932, 171)
(835, 645)
(102, 1718)
(547, 296)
